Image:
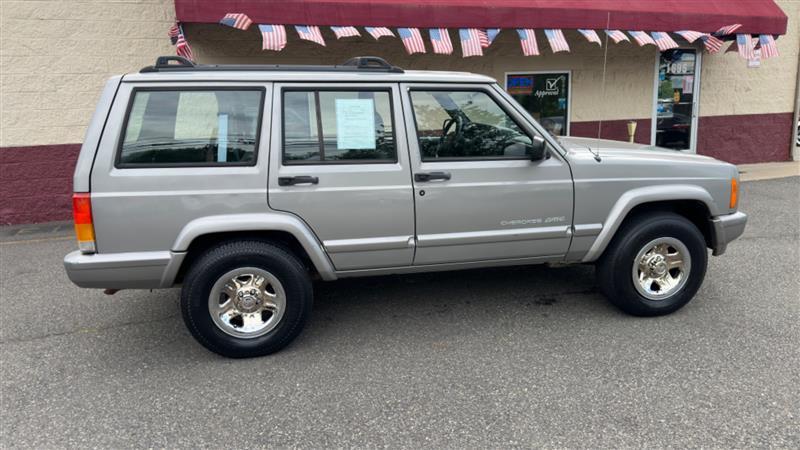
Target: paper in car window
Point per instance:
(355, 124)
(222, 138)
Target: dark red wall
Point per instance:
(36, 183)
(746, 138)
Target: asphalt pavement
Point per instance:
(526, 357)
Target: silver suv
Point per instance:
(243, 184)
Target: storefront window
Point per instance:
(545, 96)
(675, 101)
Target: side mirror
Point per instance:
(538, 149)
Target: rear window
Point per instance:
(192, 128)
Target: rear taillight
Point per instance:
(84, 228)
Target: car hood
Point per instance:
(614, 149)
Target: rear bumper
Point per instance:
(136, 270)
(725, 229)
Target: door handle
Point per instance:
(431, 176)
(302, 179)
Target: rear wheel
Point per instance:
(654, 265)
(246, 298)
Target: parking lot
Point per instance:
(529, 356)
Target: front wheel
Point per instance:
(654, 265)
(246, 298)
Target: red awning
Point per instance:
(756, 16)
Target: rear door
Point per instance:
(339, 161)
(479, 197)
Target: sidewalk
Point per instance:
(768, 171)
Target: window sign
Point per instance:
(355, 123)
(545, 96)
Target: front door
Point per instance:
(339, 161)
(478, 196)
(677, 88)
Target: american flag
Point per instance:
(690, 36)
(745, 45)
(617, 36)
(487, 35)
(591, 36)
(641, 38)
(527, 38)
(310, 33)
(173, 33)
(730, 29)
(440, 39)
(663, 41)
(470, 42)
(182, 48)
(379, 32)
(341, 32)
(236, 20)
(557, 41)
(412, 40)
(273, 37)
(711, 43)
(768, 47)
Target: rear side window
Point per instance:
(337, 127)
(192, 127)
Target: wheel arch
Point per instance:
(692, 202)
(282, 229)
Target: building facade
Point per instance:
(56, 55)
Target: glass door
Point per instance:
(676, 91)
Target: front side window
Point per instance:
(337, 126)
(464, 125)
(191, 127)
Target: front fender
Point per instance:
(638, 196)
(258, 222)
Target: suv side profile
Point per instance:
(243, 183)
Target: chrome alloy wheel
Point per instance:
(247, 302)
(661, 268)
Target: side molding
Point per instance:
(638, 196)
(259, 222)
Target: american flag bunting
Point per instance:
(527, 38)
(379, 32)
(470, 42)
(412, 40)
(440, 40)
(617, 36)
(342, 32)
(711, 43)
(173, 33)
(745, 45)
(663, 41)
(236, 20)
(591, 36)
(487, 35)
(690, 36)
(641, 38)
(183, 49)
(768, 47)
(557, 41)
(730, 29)
(273, 37)
(310, 33)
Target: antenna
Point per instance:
(603, 95)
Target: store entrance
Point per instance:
(676, 93)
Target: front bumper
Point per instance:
(135, 270)
(725, 229)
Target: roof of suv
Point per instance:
(360, 69)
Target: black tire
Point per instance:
(614, 268)
(217, 261)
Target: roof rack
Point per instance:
(357, 64)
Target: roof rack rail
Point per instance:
(357, 64)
